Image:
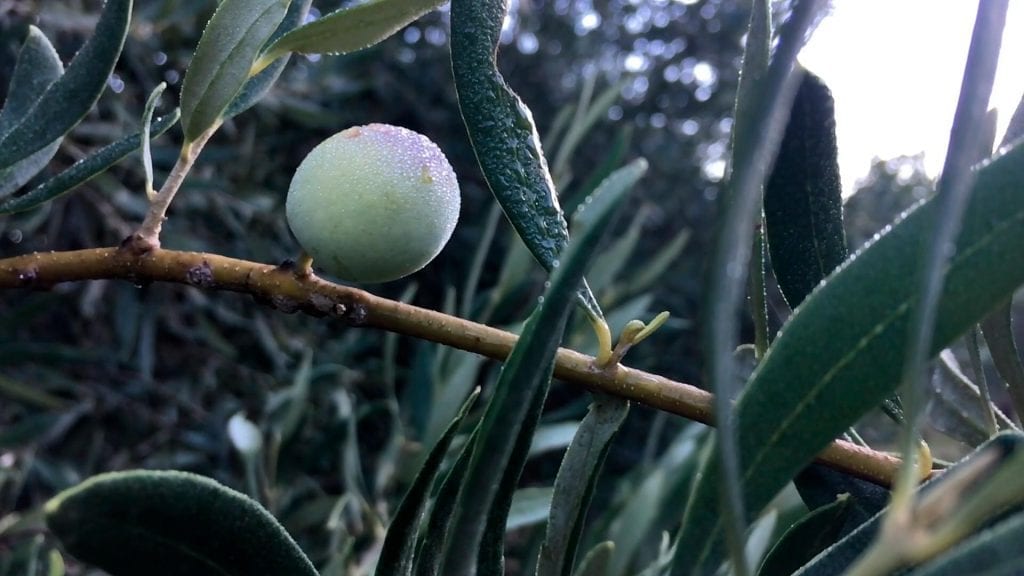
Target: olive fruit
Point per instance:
(373, 203)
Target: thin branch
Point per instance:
(148, 235)
(285, 288)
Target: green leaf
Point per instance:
(957, 408)
(856, 324)
(504, 137)
(490, 560)
(512, 413)
(805, 539)
(803, 199)
(65, 102)
(171, 523)
(85, 169)
(986, 466)
(819, 485)
(351, 28)
(431, 542)
(574, 485)
(398, 551)
(994, 551)
(997, 329)
(229, 46)
(257, 86)
(38, 67)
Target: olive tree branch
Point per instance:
(293, 289)
(147, 237)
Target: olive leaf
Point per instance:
(398, 551)
(504, 137)
(222, 61)
(257, 86)
(64, 103)
(349, 29)
(171, 523)
(803, 198)
(85, 169)
(502, 441)
(38, 67)
(856, 325)
(574, 485)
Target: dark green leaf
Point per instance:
(958, 409)
(504, 137)
(169, 524)
(997, 329)
(764, 97)
(856, 325)
(504, 431)
(819, 485)
(351, 28)
(38, 67)
(65, 102)
(574, 485)
(490, 559)
(398, 550)
(995, 551)
(803, 199)
(840, 556)
(430, 545)
(805, 539)
(229, 46)
(85, 169)
(257, 86)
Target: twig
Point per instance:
(285, 289)
(148, 235)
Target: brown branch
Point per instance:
(285, 289)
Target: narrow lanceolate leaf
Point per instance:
(65, 102)
(997, 327)
(504, 137)
(38, 67)
(992, 487)
(85, 169)
(803, 201)
(171, 523)
(512, 414)
(998, 331)
(351, 28)
(229, 46)
(841, 353)
(805, 539)
(574, 485)
(256, 87)
(994, 551)
(431, 542)
(397, 553)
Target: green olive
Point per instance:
(373, 203)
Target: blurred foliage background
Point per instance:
(102, 375)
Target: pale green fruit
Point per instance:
(373, 203)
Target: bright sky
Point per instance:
(895, 66)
